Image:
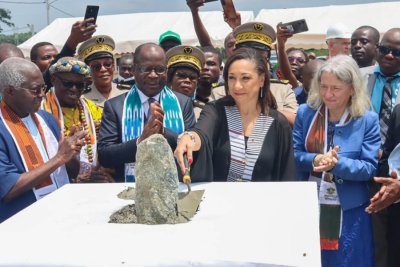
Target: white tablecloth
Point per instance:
(238, 224)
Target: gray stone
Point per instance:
(157, 182)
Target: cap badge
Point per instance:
(100, 40)
(188, 50)
(258, 26)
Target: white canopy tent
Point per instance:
(131, 30)
(382, 16)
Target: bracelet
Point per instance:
(190, 134)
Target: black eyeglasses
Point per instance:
(386, 50)
(36, 90)
(98, 66)
(298, 59)
(149, 69)
(183, 76)
(70, 84)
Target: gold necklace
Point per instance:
(82, 117)
(84, 123)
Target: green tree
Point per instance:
(16, 38)
(5, 17)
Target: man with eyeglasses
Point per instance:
(69, 77)
(34, 159)
(97, 52)
(184, 66)
(149, 107)
(383, 86)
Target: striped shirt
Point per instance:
(243, 159)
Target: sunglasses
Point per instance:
(386, 50)
(35, 91)
(98, 66)
(184, 76)
(70, 84)
(298, 59)
(149, 69)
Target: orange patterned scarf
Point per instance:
(330, 215)
(25, 143)
(50, 104)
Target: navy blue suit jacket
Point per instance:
(11, 168)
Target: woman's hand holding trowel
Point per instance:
(187, 143)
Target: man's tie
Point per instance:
(147, 116)
(386, 109)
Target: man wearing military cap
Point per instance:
(184, 64)
(169, 39)
(261, 36)
(97, 52)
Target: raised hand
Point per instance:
(155, 123)
(282, 33)
(71, 145)
(233, 21)
(80, 32)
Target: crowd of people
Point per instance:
(66, 117)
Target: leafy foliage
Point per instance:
(5, 17)
(16, 38)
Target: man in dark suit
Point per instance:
(150, 107)
(383, 86)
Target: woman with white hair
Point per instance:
(336, 143)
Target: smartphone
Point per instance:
(91, 12)
(296, 26)
(206, 1)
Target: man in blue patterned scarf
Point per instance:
(150, 107)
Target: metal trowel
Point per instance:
(188, 202)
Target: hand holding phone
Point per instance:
(296, 26)
(91, 12)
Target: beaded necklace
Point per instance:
(83, 122)
(82, 118)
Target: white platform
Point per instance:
(239, 224)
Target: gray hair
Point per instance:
(11, 72)
(346, 70)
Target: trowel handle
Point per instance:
(186, 177)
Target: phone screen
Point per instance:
(296, 26)
(91, 12)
